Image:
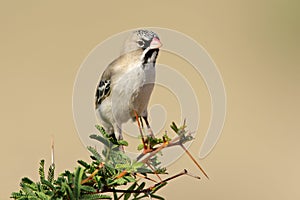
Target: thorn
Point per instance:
(145, 177)
(154, 171)
(192, 175)
(193, 159)
(174, 176)
(52, 150)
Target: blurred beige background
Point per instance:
(255, 45)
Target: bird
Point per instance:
(127, 83)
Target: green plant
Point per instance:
(111, 174)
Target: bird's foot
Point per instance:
(150, 133)
(121, 148)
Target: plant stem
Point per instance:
(93, 174)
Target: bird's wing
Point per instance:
(102, 92)
(104, 86)
(111, 74)
(107, 79)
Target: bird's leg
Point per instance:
(148, 127)
(142, 124)
(117, 130)
(119, 136)
(140, 129)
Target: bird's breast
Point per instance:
(133, 89)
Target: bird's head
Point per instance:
(142, 39)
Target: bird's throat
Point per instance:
(150, 56)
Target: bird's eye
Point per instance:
(140, 43)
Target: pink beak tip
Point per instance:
(155, 43)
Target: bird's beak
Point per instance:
(155, 43)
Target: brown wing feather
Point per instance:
(113, 72)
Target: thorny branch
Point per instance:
(108, 170)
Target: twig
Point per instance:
(154, 171)
(193, 159)
(123, 173)
(145, 177)
(174, 142)
(172, 177)
(93, 174)
(149, 189)
(152, 153)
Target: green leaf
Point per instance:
(119, 181)
(127, 195)
(99, 182)
(121, 166)
(129, 178)
(42, 196)
(51, 173)
(109, 138)
(77, 182)
(87, 188)
(110, 170)
(84, 164)
(139, 188)
(123, 142)
(102, 131)
(137, 165)
(95, 154)
(144, 170)
(174, 127)
(94, 196)
(166, 137)
(27, 180)
(16, 195)
(115, 195)
(42, 170)
(140, 147)
(69, 176)
(157, 197)
(48, 184)
(27, 186)
(158, 187)
(100, 139)
(68, 185)
(67, 188)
